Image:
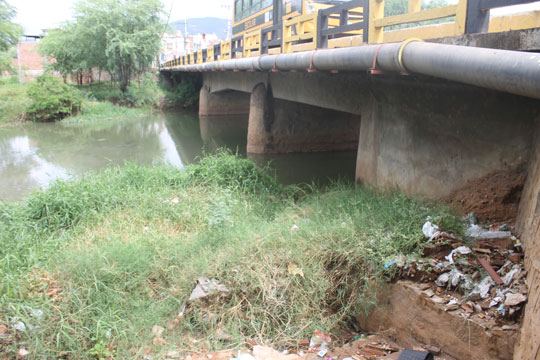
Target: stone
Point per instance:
(514, 299)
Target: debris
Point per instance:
(158, 332)
(430, 230)
(37, 313)
(515, 258)
(495, 301)
(490, 271)
(434, 349)
(22, 353)
(19, 326)
(510, 275)
(294, 269)
(477, 232)
(319, 342)
(294, 228)
(514, 299)
(463, 250)
(206, 287)
(471, 219)
(266, 353)
(244, 356)
(175, 201)
(415, 355)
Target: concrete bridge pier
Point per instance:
(282, 126)
(224, 102)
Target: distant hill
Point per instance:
(206, 25)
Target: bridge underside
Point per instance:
(425, 136)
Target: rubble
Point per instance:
(480, 275)
(206, 287)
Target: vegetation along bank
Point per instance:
(90, 266)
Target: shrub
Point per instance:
(144, 93)
(184, 91)
(51, 99)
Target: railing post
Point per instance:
(461, 17)
(376, 11)
(477, 20)
(365, 21)
(414, 6)
(322, 41)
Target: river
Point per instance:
(32, 155)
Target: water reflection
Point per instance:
(33, 155)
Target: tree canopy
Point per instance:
(9, 34)
(118, 36)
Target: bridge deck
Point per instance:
(362, 22)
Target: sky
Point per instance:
(35, 15)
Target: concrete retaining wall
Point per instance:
(529, 226)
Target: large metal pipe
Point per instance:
(510, 71)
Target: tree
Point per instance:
(65, 48)
(127, 31)
(119, 36)
(9, 35)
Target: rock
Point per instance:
(22, 353)
(514, 299)
(206, 287)
(19, 326)
(434, 349)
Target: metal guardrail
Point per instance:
(351, 16)
(271, 38)
(358, 22)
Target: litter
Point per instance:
(463, 250)
(430, 231)
(206, 287)
(415, 355)
(514, 299)
(319, 342)
(507, 279)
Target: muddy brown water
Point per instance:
(33, 155)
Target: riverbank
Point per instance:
(98, 104)
(97, 267)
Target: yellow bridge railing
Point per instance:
(350, 24)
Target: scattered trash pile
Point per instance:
(481, 275)
(373, 347)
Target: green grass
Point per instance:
(109, 256)
(13, 101)
(98, 111)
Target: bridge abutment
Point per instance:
(281, 126)
(431, 137)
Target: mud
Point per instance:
(493, 198)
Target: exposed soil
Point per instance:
(494, 197)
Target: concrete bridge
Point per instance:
(424, 116)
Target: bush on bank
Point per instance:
(51, 99)
(105, 258)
